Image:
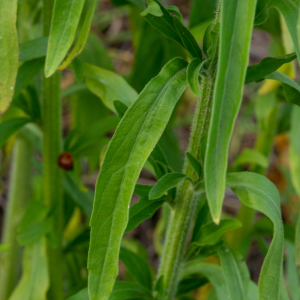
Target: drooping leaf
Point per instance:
(289, 10)
(267, 66)
(212, 272)
(188, 39)
(236, 28)
(80, 43)
(137, 267)
(34, 282)
(66, 15)
(258, 193)
(166, 183)
(108, 86)
(33, 49)
(9, 51)
(290, 87)
(26, 74)
(126, 154)
(9, 127)
(210, 233)
(236, 274)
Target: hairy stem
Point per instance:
(186, 200)
(19, 196)
(52, 174)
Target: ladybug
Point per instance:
(65, 161)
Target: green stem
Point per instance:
(52, 174)
(19, 195)
(186, 200)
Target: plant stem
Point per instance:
(51, 110)
(186, 200)
(19, 195)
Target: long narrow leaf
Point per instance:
(9, 52)
(235, 37)
(127, 152)
(66, 15)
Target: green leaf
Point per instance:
(251, 156)
(141, 211)
(188, 39)
(66, 15)
(152, 9)
(236, 273)
(267, 66)
(108, 86)
(193, 75)
(190, 284)
(289, 10)
(127, 152)
(78, 69)
(121, 291)
(142, 190)
(137, 267)
(235, 37)
(212, 272)
(83, 199)
(290, 87)
(294, 156)
(159, 287)
(120, 108)
(80, 43)
(258, 193)
(166, 183)
(34, 282)
(33, 49)
(194, 163)
(4, 247)
(211, 233)
(9, 127)
(164, 23)
(26, 74)
(91, 138)
(292, 271)
(9, 51)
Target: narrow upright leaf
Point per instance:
(9, 52)
(195, 163)
(127, 152)
(66, 15)
(80, 43)
(166, 183)
(235, 37)
(137, 267)
(236, 274)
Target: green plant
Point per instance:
(60, 239)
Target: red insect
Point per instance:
(65, 161)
